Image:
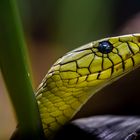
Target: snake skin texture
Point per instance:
(76, 76)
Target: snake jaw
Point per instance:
(76, 76)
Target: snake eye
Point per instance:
(105, 47)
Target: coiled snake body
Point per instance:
(79, 74)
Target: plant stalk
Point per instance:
(13, 65)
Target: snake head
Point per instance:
(99, 61)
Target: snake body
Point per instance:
(79, 74)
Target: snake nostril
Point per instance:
(105, 47)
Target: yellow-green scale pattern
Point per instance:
(76, 76)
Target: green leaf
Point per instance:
(13, 64)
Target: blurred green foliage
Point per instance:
(69, 22)
(82, 21)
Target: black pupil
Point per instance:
(105, 47)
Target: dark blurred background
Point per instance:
(54, 27)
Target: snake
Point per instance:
(75, 77)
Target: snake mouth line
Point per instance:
(120, 66)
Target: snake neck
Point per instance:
(60, 101)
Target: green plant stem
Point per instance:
(13, 64)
